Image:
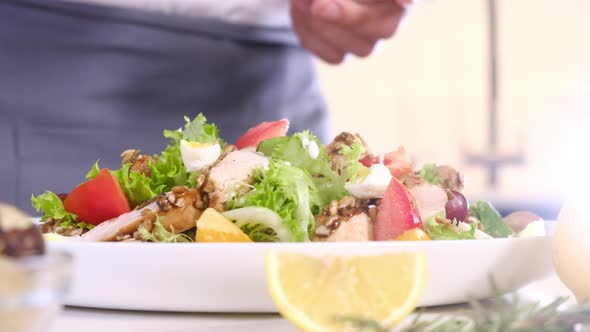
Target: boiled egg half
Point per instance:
(373, 185)
(197, 156)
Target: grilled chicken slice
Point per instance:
(179, 208)
(429, 198)
(231, 174)
(357, 228)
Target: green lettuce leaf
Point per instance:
(429, 173)
(490, 219)
(53, 209)
(199, 130)
(287, 190)
(160, 234)
(93, 171)
(137, 187)
(260, 233)
(295, 150)
(438, 231)
(352, 154)
(168, 169)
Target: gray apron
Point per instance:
(81, 82)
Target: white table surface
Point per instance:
(91, 320)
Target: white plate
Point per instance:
(228, 277)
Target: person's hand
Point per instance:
(330, 29)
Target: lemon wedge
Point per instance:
(315, 293)
(213, 227)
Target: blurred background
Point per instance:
(498, 88)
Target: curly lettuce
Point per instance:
(53, 209)
(260, 233)
(304, 151)
(450, 230)
(160, 234)
(136, 186)
(287, 190)
(168, 169)
(352, 167)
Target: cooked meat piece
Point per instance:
(178, 209)
(230, 174)
(124, 224)
(139, 162)
(357, 228)
(412, 180)
(337, 160)
(352, 215)
(430, 199)
(450, 178)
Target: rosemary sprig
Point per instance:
(502, 314)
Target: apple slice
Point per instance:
(266, 130)
(396, 214)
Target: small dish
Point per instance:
(32, 290)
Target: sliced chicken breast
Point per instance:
(232, 173)
(430, 199)
(357, 228)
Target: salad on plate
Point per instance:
(271, 187)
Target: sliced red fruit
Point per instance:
(97, 200)
(398, 162)
(266, 130)
(396, 214)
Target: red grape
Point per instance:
(457, 207)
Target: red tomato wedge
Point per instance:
(398, 162)
(97, 200)
(261, 132)
(396, 214)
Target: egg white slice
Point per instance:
(372, 186)
(197, 156)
